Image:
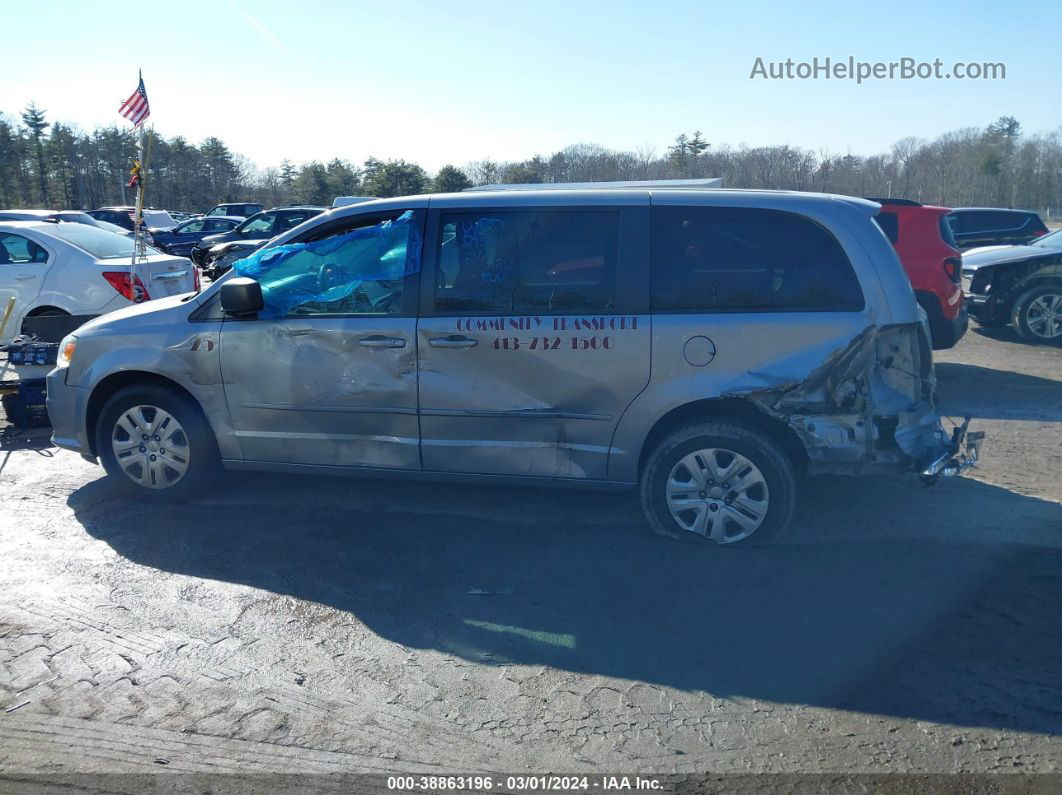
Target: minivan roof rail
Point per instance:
(900, 202)
(682, 184)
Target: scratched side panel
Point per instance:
(306, 391)
(534, 396)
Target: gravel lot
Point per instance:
(285, 624)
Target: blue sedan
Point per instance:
(180, 240)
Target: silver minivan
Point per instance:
(707, 347)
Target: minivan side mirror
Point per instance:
(241, 296)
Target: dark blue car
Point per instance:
(181, 239)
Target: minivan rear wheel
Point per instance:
(719, 482)
(155, 443)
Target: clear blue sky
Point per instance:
(452, 81)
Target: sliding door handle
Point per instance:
(452, 341)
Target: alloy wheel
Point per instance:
(1044, 316)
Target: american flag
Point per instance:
(136, 107)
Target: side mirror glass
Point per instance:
(241, 296)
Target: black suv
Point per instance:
(988, 226)
(260, 227)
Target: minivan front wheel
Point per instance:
(1037, 314)
(155, 443)
(720, 482)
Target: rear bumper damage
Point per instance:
(871, 406)
(961, 455)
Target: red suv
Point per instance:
(923, 240)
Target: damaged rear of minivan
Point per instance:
(793, 317)
(707, 347)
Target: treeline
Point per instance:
(55, 165)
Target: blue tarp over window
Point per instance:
(333, 268)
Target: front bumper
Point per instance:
(962, 454)
(976, 304)
(67, 409)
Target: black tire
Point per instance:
(754, 445)
(16, 411)
(203, 461)
(1023, 305)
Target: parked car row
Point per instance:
(183, 237)
(212, 252)
(79, 270)
(154, 220)
(61, 216)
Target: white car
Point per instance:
(63, 217)
(81, 270)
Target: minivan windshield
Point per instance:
(97, 242)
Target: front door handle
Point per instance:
(379, 341)
(452, 341)
(22, 277)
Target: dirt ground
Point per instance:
(284, 624)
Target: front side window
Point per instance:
(356, 269)
(539, 261)
(216, 226)
(18, 250)
(191, 226)
(217, 211)
(730, 258)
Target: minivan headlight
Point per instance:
(66, 351)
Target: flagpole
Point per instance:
(138, 219)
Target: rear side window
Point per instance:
(730, 258)
(258, 225)
(289, 220)
(946, 233)
(1009, 220)
(987, 221)
(16, 250)
(890, 225)
(527, 262)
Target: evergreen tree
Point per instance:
(342, 179)
(697, 145)
(312, 185)
(393, 178)
(33, 118)
(450, 179)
